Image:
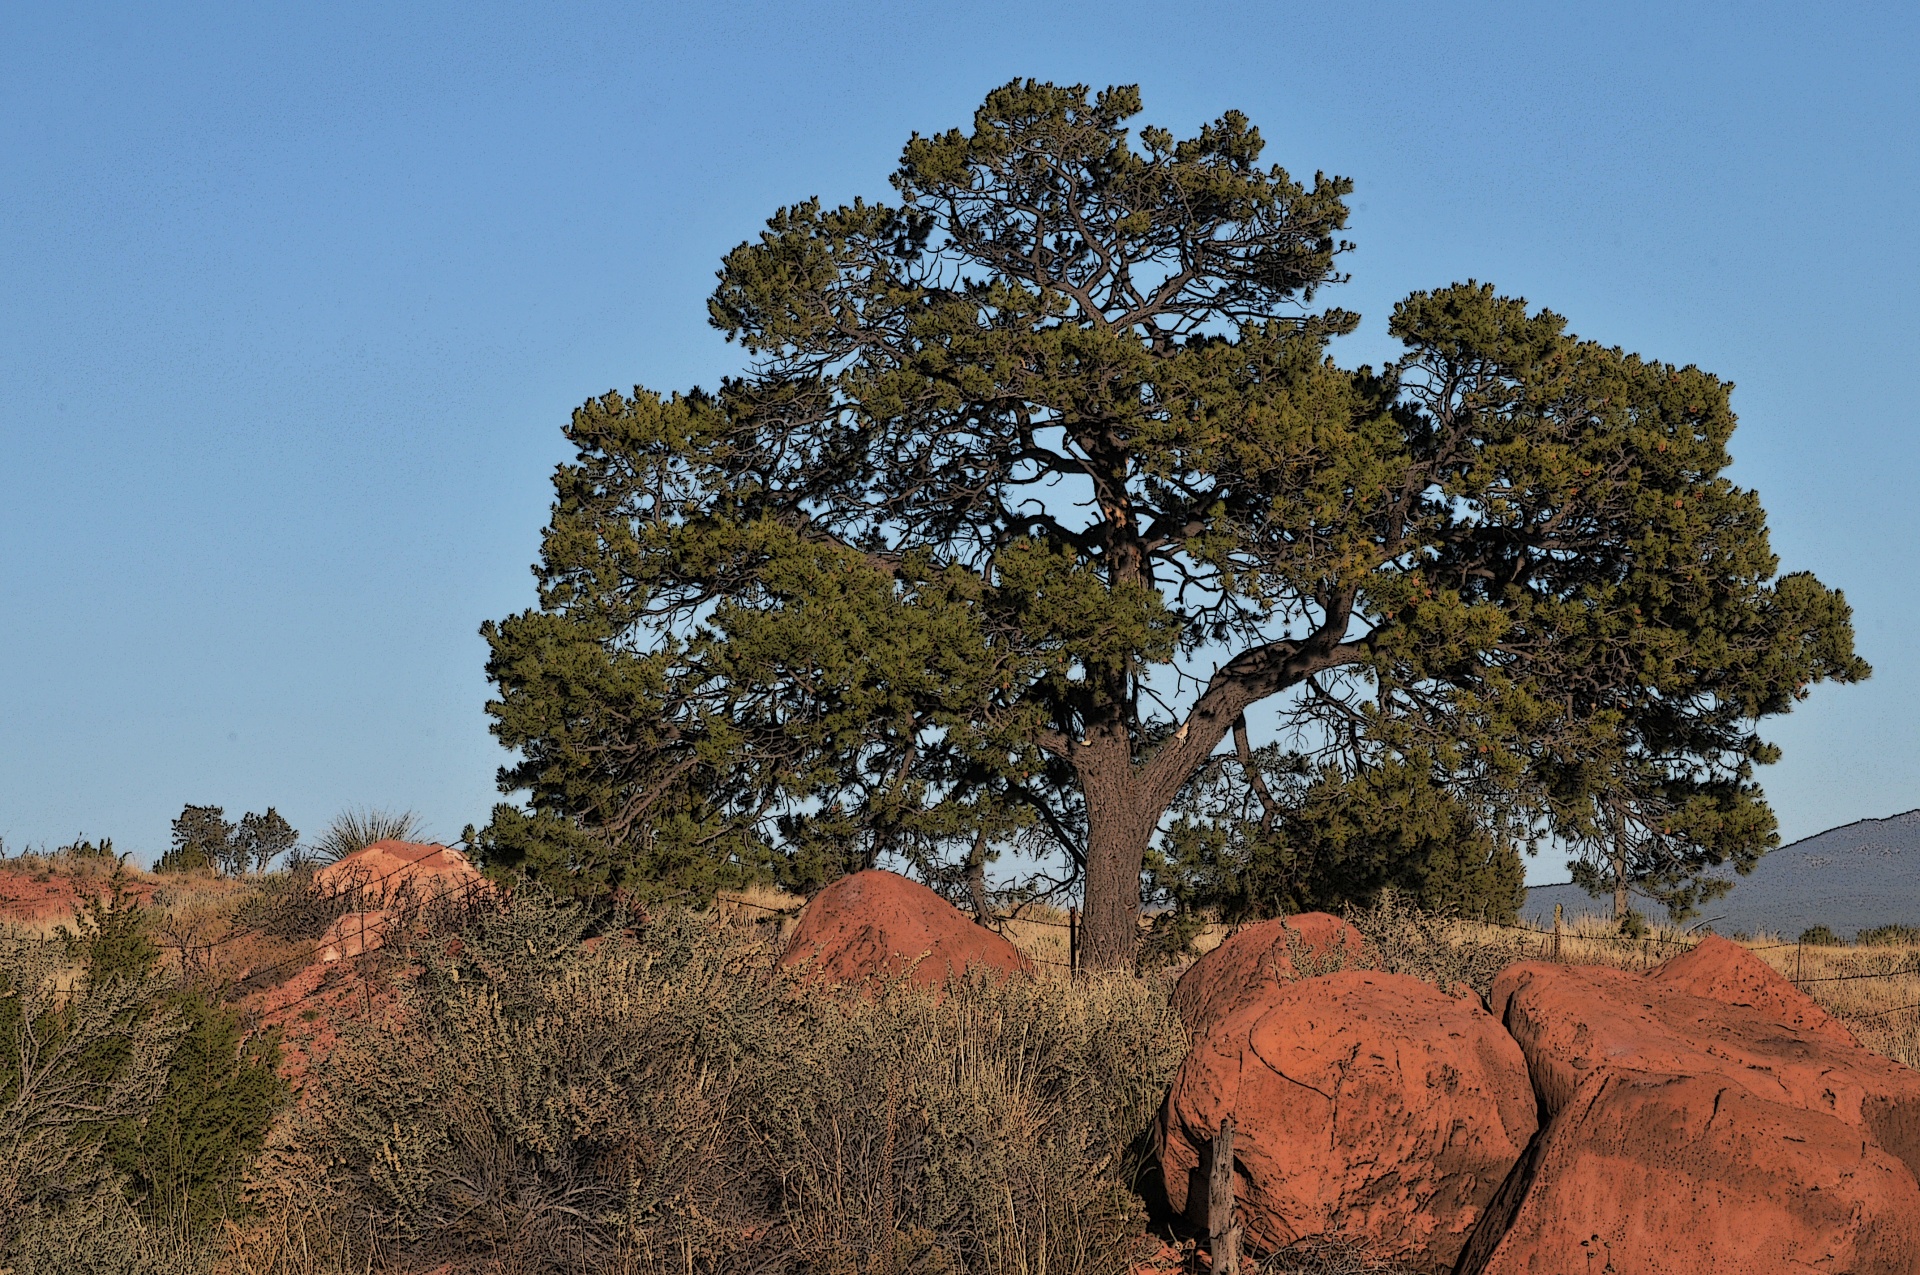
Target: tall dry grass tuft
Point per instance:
(356, 829)
(668, 1099)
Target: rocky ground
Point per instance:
(1521, 1103)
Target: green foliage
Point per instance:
(1820, 936)
(84, 850)
(1889, 936)
(670, 1098)
(258, 841)
(109, 939)
(1043, 474)
(72, 1067)
(574, 863)
(1332, 840)
(134, 1084)
(203, 840)
(185, 1159)
(199, 842)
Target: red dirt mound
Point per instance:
(1576, 1021)
(31, 894)
(1724, 971)
(1692, 1175)
(1255, 959)
(1369, 1106)
(386, 868)
(876, 924)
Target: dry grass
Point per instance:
(666, 1099)
(1875, 990)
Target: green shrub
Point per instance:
(72, 1067)
(185, 1160)
(1335, 840)
(134, 1084)
(1819, 936)
(203, 840)
(1889, 936)
(669, 1099)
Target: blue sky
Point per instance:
(294, 300)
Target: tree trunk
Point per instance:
(1619, 889)
(1117, 836)
(977, 879)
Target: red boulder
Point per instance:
(1574, 1022)
(1366, 1106)
(877, 924)
(1693, 1175)
(387, 869)
(1257, 958)
(1724, 971)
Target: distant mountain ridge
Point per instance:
(1849, 878)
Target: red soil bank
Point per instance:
(1258, 958)
(27, 900)
(876, 924)
(1367, 1105)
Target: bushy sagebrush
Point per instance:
(1404, 939)
(131, 1104)
(667, 1098)
(72, 1068)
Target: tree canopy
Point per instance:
(204, 839)
(1042, 474)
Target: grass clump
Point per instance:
(667, 1098)
(355, 829)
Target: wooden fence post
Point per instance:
(1073, 940)
(1223, 1231)
(1557, 909)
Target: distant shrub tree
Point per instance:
(259, 840)
(199, 842)
(1889, 936)
(1819, 936)
(204, 840)
(1040, 475)
(82, 848)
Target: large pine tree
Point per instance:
(1041, 476)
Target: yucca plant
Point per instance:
(356, 829)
